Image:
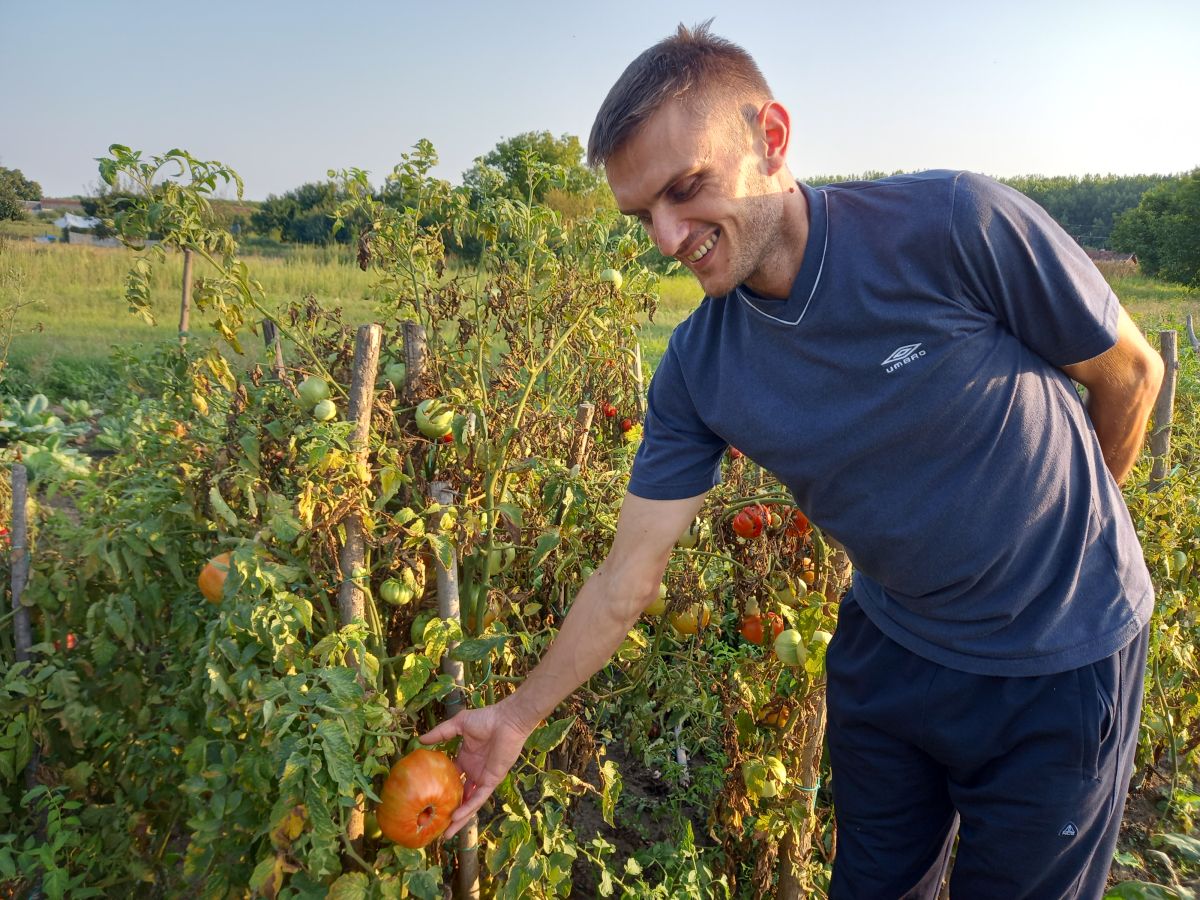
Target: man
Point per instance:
(906, 351)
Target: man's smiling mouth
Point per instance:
(704, 248)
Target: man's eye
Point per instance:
(680, 194)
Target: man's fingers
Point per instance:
(443, 731)
(478, 797)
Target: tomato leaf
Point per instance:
(546, 543)
(351, 886)
(412, 678)
(475, 649)
(550, 735)
(443, 548)
(610, 790)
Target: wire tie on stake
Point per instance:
(816, 787)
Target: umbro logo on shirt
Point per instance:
(902, 356)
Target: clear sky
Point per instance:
(283, 91)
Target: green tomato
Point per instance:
(396, 593)
(613, 277)
(434, 418)
(690, 538)
(659, 604)
(396, 373)
(418, 628)
(1178, 561)
(312, 391)
(789, 647)
(325, 411)
(499, 559)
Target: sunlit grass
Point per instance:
(80, 312)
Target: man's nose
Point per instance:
(669, 232)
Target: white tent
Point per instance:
(70, 220)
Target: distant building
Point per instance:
(59, 204)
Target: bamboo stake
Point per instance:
(185, 303)
(448, 608)
(1160, 438)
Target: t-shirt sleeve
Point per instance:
(679, 456)
(1017, 264)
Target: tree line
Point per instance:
(1156, 217)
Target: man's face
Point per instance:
(698, 186)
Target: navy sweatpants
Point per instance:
(1030, 772)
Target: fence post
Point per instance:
(352, 555)
(448, 608)
(1192, 339)
(1160, 437)
(185, 303)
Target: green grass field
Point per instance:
(78, 312)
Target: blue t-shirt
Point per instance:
(908, 394)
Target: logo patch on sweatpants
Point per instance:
(1068, 830)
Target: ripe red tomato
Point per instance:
(798, 525)
(609, 410)
(421, 792)
(752, 627)
(735, 453)
(626, 424)
(447, 438)
(749, 522)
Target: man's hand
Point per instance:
(605, 609)
(492, 741)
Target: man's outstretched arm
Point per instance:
(1122, 385)
(606, 608)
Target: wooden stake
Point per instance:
(352, 596)
(584, 413)
(185, 303)
(272, 339)
(1192, 339)
(637, 375)
(19, 561)
(448, 608)
(1160, 437)
(23, 633)
(351, 558)
(415, 362)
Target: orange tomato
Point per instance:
(420, 794)
(212, 578)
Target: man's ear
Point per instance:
(775, 129)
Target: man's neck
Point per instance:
(785, 257)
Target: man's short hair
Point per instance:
(691, 66)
